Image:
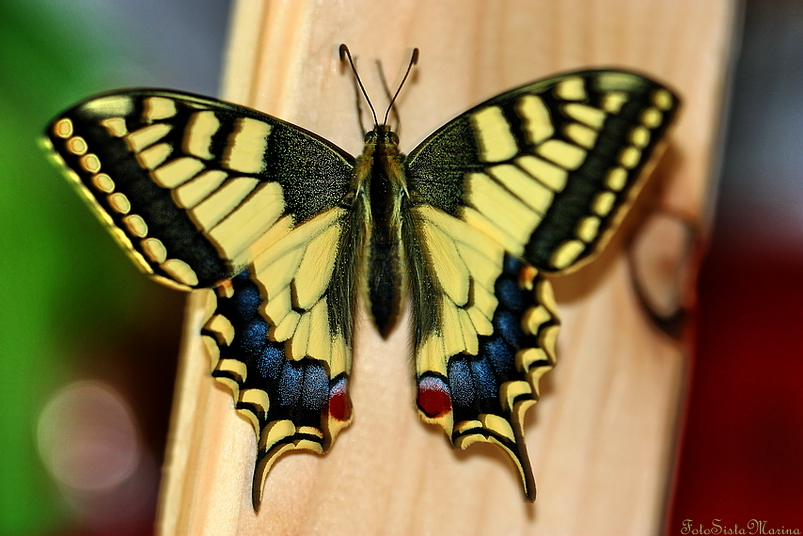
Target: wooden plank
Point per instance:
(602, 438)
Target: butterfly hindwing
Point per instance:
(208, 195)
(532, 180)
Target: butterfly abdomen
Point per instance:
(385, 189)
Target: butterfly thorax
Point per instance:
(379, 177)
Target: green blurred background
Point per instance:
(72, 308)
(88, 345)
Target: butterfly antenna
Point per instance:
(413, 61)
(388, 94)
(344, 53)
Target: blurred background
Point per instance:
(88, 345)
(86, 379)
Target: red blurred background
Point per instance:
(741, 455)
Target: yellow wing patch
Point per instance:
(465, 263)
(294, 273)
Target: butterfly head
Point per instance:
(381, 135)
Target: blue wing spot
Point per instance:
(484, 380)
(290, 384)
(242, 277)
(248, 301)
(472, 384)
(511, 265)
(509, 327)
(499, 356)
(316, 387)
(253, 337)
(271, 361)
(461, 385)
(509, 293)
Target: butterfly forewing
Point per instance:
(189, 184)
(533, 179)
(545, 168)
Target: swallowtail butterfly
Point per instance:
(284, 232)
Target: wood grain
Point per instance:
(602, 438)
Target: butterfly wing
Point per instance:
(533, 180)
(207, 195)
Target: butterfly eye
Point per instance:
(394, 138)
(370, 136)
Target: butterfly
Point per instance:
(283, 233)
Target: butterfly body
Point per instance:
(380, 180)
(283, 233)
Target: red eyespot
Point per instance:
(339, 401)
(434, 398)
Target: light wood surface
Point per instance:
(602, 438)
